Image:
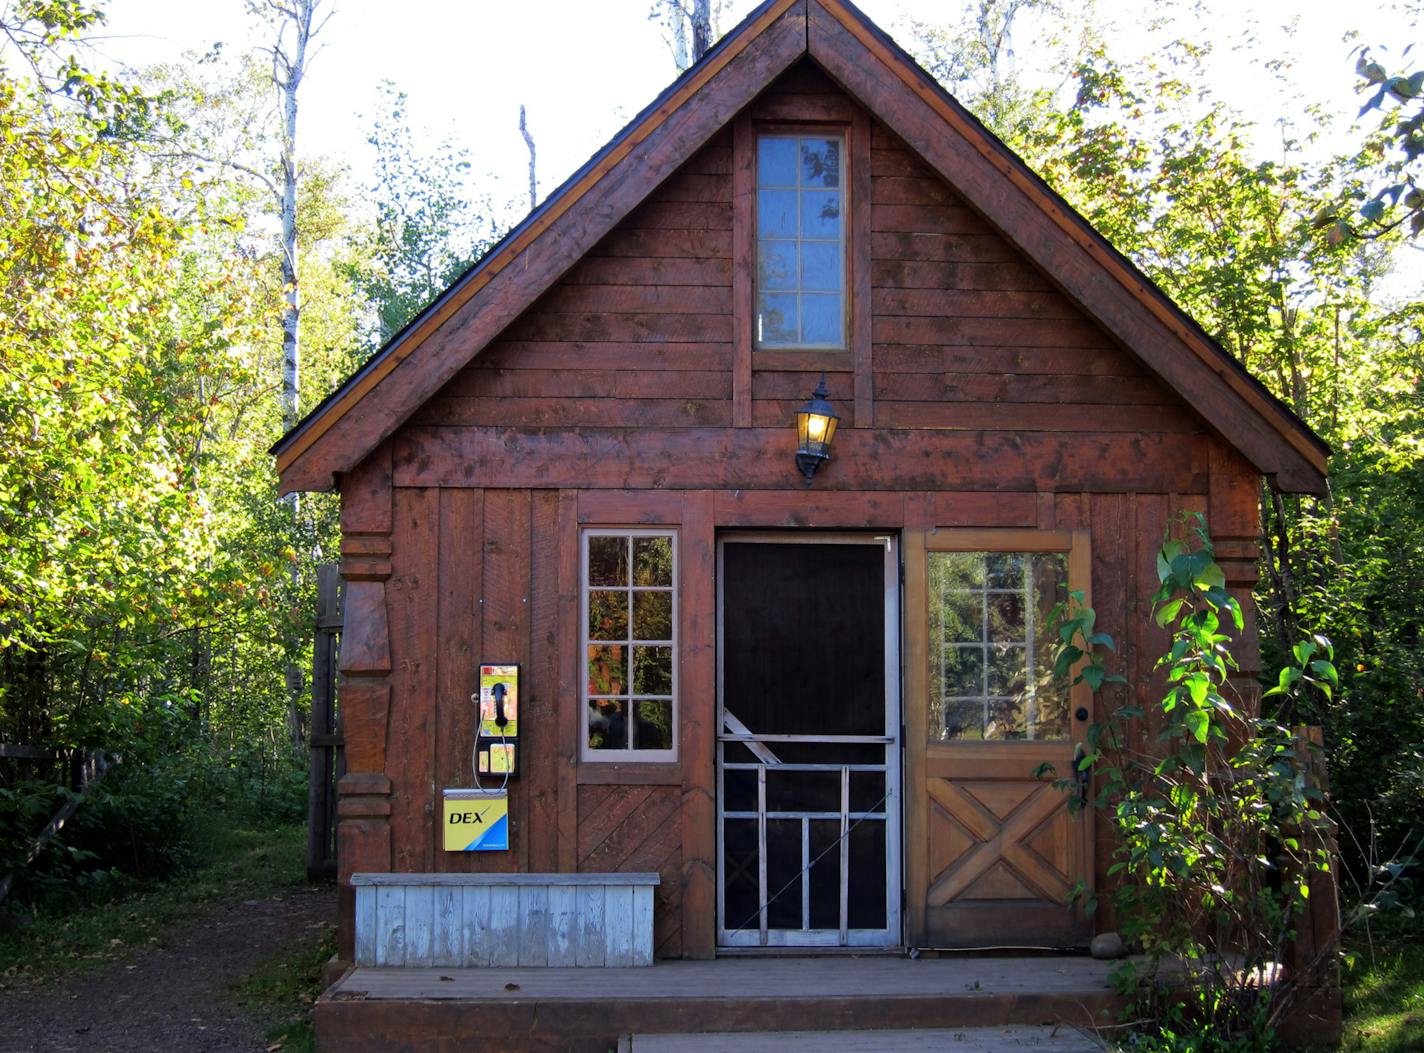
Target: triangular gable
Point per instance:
(340, 432)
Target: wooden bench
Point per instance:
(456, 920)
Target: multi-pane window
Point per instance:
(629, 643)
(991, 647)
(801, 259)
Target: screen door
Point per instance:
(808, 742)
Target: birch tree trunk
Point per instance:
(295, 24)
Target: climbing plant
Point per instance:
(1211, 810)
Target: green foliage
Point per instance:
(1399, 98)
(428, 229)
(1243, 227)
(154, 592)
(1211, 810)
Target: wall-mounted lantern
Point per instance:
(815, 428)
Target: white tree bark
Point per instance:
(529, 142)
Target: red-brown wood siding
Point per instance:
(991, 400)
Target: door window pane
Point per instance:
(801, 260)
(991, 651)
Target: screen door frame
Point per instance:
(892, 935)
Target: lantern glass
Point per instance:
(815, 429)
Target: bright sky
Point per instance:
(584, 67)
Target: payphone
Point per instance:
(477, 819)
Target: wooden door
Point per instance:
(995, 857)
(808, 753)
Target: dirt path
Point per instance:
(174, 999)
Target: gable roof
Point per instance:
(876, 72)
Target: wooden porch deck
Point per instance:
(590, 1010)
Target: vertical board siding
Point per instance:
(460, 644)
(410, 754)
(554, 924)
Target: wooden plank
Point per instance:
(918, 521)
(533, 934)
(1014, 387)
(476, 946)
(449, 926)
(605, 355)
(642, 925)
(807, 508)
(979, 303)
(575, 413)
(1038, 416)
(403, 880)
(504, 930)
(759, 459)
(540, 763)
(568, 715)
(796, 386)
(584, 383)
(352, 425)
(505, 613)
(688, 185)
(914, 190)
(630, 508)
(743, 198)
(670, 244)
(962, 248)
(924, 274)
(419, 925)
(413, 601)
(828, 362)
(597, 824)
(618, 926)
(980, 332)
(821, 108)
(697, 613)
(927, 219)
(862, 205)
(366, 931)
(1012, 1039)
(1101, 360)
(680, 215)
(564, 930)
(592, 937)
(975, 509)
(390, 926)
(458, 584)
(594, 326)
(660, 270)
(623, 299)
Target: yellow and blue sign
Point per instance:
(476, 821)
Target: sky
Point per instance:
(584, 67)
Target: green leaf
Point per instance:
(1198, 722)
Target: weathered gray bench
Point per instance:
(504, 919)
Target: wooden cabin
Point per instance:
(803, 711)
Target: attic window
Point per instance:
(801, 242)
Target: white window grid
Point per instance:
(840, 241)
(628, 697)
(986, 645)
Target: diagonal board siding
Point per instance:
(624, 829)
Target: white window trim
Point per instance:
(627, 755)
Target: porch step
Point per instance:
(951, 1040)
(535, 1010)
